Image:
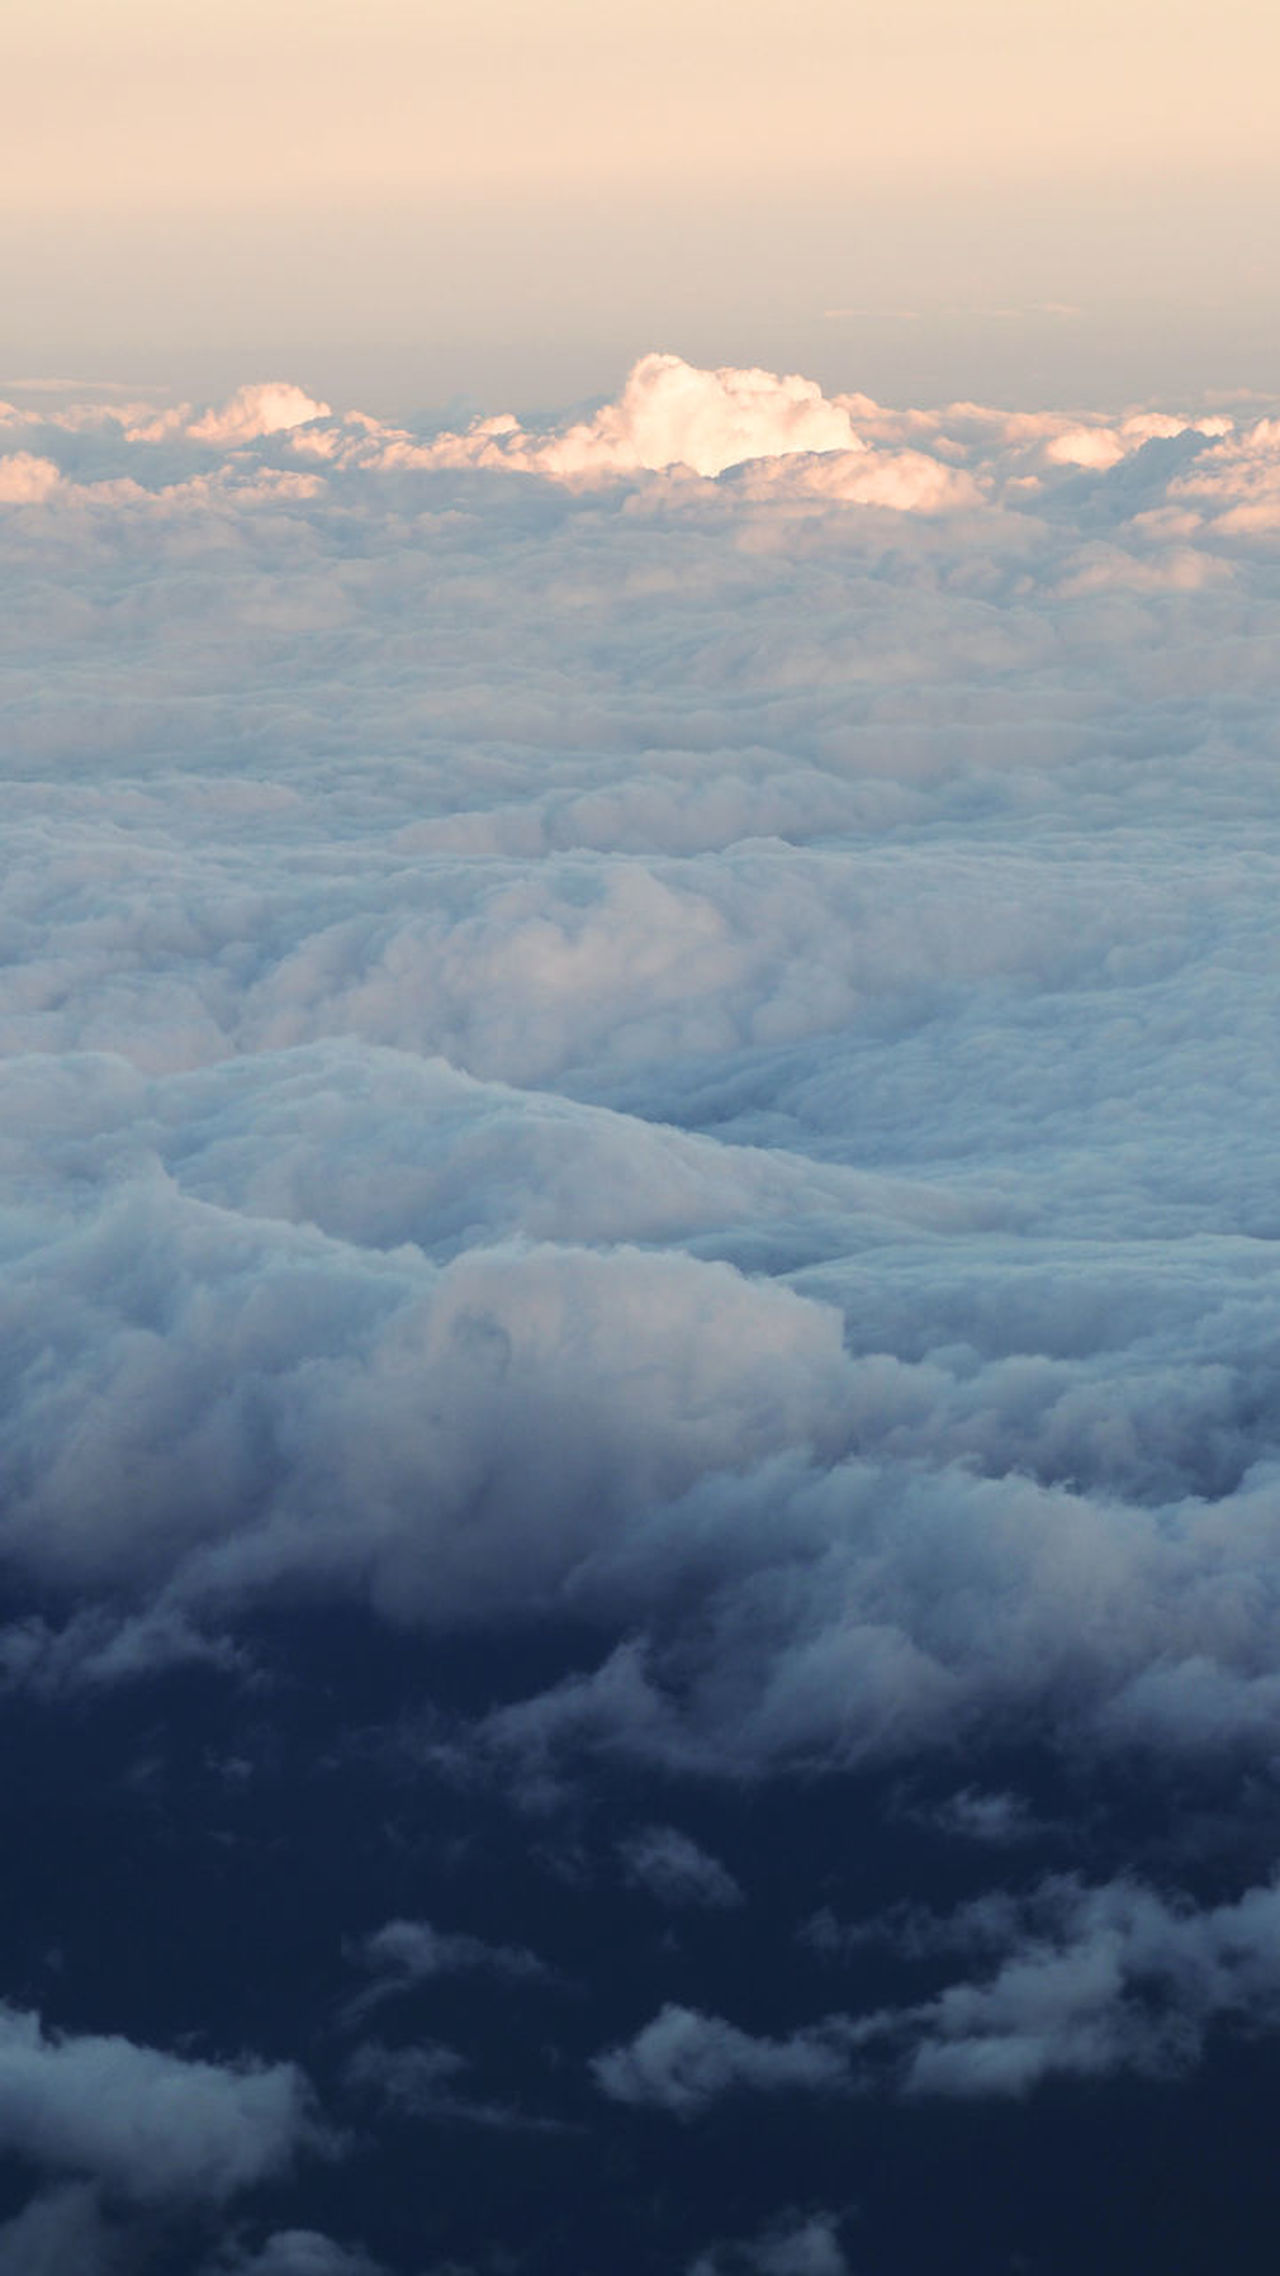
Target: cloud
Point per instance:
(684, 2061)
(293, 2252)
(794, 2245)
(271, 407)
(423, 2081)
(26, 480)
(1102, 1980)
(1089, 1982)
(674, 418)
(670, 414)
(999, 1819)
(62, 2232)
(675, 1870)
(406, 1953)
(145, 2123)
(616, 1049)
(617, 1034)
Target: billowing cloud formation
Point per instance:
(25, 479)
(618, 1037)
(722, 1139)
(672, 415)
(149, 2124)
(274, 407)
(1098, 1980)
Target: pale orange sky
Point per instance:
(539, 191)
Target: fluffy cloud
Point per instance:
(673, 415)
(149, 2124)
(273, 407)
(623, 1027)
(1100, 1980)
(669, 415)
(25, 479)
(1089, 1981)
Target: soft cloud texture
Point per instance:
(677, 1075)
(796, 2245)
(407, 1953)
(1100, 1980)
(674, 1869)
(684, 2061)
(1089, 1982)
(60, 2233)
(148, 2124)
(294, 2252)
(639, 1049)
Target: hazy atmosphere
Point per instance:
(640, 1377)
(404, 202)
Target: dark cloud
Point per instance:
(60, 2233)
(406, 1953)
(294, 2252)
(675, 1870)
(796, 2245)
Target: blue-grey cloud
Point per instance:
(656, 1027)
(149, 2124)
(794, 2245)
(676, 1869)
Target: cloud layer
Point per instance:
(644, 1044)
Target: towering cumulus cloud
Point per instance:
(640, 1325)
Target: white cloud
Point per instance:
(26, 480)
(271, 407)
(669, 415)
(659, 1023)
(652, 1048)
(630, 1021)
(673, 415)
(148, 2124)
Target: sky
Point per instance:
(405, 203)
(639, 1404)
